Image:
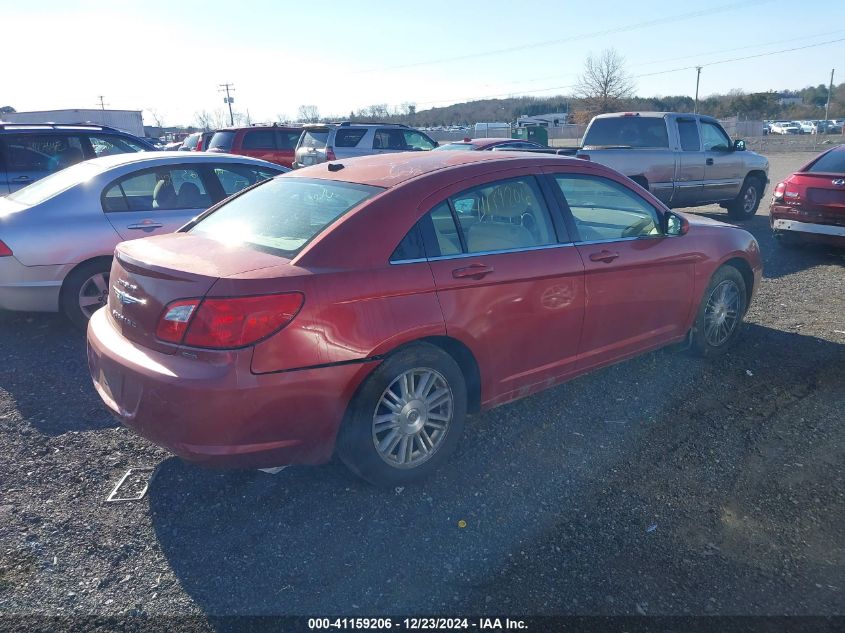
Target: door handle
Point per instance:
(475, 271)
(709, 161)
(145, 225)
(21, 179)
(603, 256)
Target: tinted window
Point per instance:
(191, 141)
(605, 210)
(688, 131)
(283, 215)
(504, 215)
(42, 152)
(389, 139)
(287, 140)
(411, 247)
(445, 230)
(714, 138)
(234, 178)
(628, 131)
(832, 162)
(315, 139)
(415, 140)
(346, 137)
(259, 139)
(157, 189)
(107, 145)
(222, 141)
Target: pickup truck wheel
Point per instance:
(720, 314)
(745, 205)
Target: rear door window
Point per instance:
(628, 131)
(390, 139)
(259, 139)
(234, 178)
(688, 132)
(349, 137)
(45, 153)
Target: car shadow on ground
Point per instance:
(47, 347)
(778, 260)
(581, 499)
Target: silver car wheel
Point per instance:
(412, 418)
(721, 315)
(750, 199)
(94, 294)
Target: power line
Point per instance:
(661, 72)
(573, 38)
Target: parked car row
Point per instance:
(803, 127)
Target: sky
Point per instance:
(169, 57)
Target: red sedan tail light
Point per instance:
(781, 187)
(330, 155)
(227, 323)
(5, 251)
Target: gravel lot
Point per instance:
(664, 485)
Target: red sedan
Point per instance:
(487, 144)
(810, 204)
(369, 305)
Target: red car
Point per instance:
(368, 306)
(810, 204)
(273, 143)
(482, 144)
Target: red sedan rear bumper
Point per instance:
(219, 413)
(822, 227)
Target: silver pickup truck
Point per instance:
(686, 160)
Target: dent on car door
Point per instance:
(638, 281)
(154, 201)
(509, 284)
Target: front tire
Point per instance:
(406, 419)
(85, 290)
(720, 314)
(745, 205)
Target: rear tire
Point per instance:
(406, 419)
(85, 290)
(745, 205)
(719, 317)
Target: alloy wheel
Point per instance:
(749, 201)
(94, 294)
(412, 418)
(721, 315)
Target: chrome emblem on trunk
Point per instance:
(838, 182)
(127, 299)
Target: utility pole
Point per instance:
(102, 105)
(228, 99)
(697, 79)
(827, 105)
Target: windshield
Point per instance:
(830, 163)
(454, 147)
(222, 141)
(55, 184)
(627, 131)
(314, 139)
(283, 215)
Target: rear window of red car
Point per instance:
(830, 163)
(282, 215)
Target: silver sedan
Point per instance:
(57, 236)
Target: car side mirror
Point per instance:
(676, 224)
(739, 145)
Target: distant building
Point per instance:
(126, 120)
(553, 119)
(788, 100)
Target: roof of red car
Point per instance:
(388, 170)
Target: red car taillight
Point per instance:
(330, 155)
(5, 251)
(227, 323)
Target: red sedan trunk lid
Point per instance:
(150, 273)
(821, 196)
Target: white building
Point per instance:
(126, 120)
(553, 119)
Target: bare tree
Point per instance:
(309, 114)
(204, 120)
(158, 120)
(604, 81)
